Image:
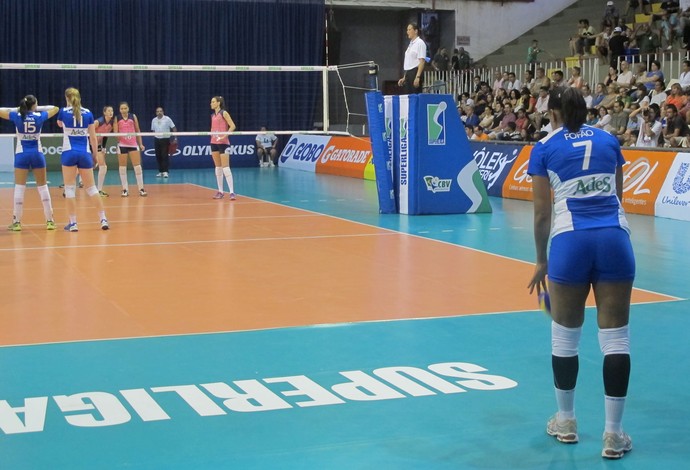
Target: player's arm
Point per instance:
(93, 140)
(229, 121)
(136, 128)
(115, 125)
(541, 193)
(5, 112)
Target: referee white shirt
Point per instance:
(415, 51)
(162, 127)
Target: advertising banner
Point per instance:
(303, 151)
(518, 184)
(643, 175)
(7, 154)
(192, 152)
(345, 156)
(673, 200)
(494, 162)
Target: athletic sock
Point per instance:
(46, 201)
(139, 176)
(102, 170)
(219, 178)
(123, 177)
(19, 190)
(228, 178)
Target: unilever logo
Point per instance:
(437, 185)
(436, 123)
(681, 184)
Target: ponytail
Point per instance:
(572, 106)
(74, 99)
(26, 104)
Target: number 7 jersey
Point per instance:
(76, 130)
(581, 167)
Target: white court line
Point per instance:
(195, 242)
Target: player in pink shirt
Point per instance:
(221, 122)
(131, 145)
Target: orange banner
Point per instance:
(345, 156)
(518, 184)
(644, 174)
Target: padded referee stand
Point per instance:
(433, 170)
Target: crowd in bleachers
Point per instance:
(634, 101)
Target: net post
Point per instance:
(324, 83)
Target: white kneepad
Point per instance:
(565, 341)
(615, 340)
(92, 190)
(70, 191)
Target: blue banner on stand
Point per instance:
(443, 175)
(383, 162)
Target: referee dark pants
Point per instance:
(408, 87)
(162, 157)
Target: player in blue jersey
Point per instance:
(28, 120)
(78, 126)
(590, 248)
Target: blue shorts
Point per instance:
(589, 256)
(29, 160)
(77, 158)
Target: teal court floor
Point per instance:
(446, 391)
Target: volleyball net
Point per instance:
(284, 99)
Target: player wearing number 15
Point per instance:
(28, 119)
(78, 126)
(590, 248)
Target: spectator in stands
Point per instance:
(631, 7)
(498, 81)
(541, 111)
(486, 119)
(441, 60)
(464, 59)
(611, 16)
(557, 79)
(653, 75)
(575, 80)
(533, 52)
(583, 41)
(658, 94)
(647, 7)
(676, 97)
(599, 94)
(617, 44)
(625, 77)
(513, 82)
(592, 117)
(649, 125)
(676, 131)
(632, 128)
(528, 101)
(647, 39)
(540, 80)
(619, 121)
(479, 134)
(514, 97)
(470, 119)
(476, 84)
(610, 98)
(527, 79)
(455, 61)
(604, 118)
(670, 23)
(508, 116)
(624, 97)
(601, 42)
(684, 78)
(611, 76)
(523, 125)
(587, 95)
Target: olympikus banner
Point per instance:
(382, 157)
(435, 172)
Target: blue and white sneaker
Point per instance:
(72, 227)
(104, 224)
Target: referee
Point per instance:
(415, 58)
(162, 125)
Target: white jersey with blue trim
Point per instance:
(28, 130)
(76, 130)
(581, 167)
